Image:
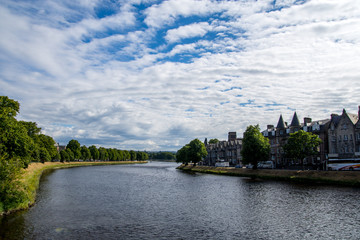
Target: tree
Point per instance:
(64, 156)
(255, 147)
(85, 153)
(301, 144)
(14, 139)
(104, 156)
(94, 153)
(11, 193)
(70, 154)
(213, 141)
(193, 152)
(48, 143)
(44, 155)
(182, 155)
(74, 146)
(126, 155)
(132, 155)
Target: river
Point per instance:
(156, 201)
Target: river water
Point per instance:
(156, 201)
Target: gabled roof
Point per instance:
(353, 118)
(281, 123)
(295, 121)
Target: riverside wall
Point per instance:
(344, 178)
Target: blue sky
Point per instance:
(153, 75)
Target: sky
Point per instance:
(154, 75)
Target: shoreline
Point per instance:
(30, 177)
(339, 178)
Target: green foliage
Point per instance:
(193, 152)
(104, 156)
(44, 155)
(85, 153)
(64, 156)
(213, 141)
(74, 146)
(162, 155)
(255, 147)
(70, 154)
(11, 194)
(94, 153)
(181, 154)
(48, 143)
(132, 155)
(301, 144)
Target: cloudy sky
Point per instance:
(153, 75)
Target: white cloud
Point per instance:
(120, 82)
(188, 31)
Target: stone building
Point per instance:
(59, 147)
(279, 135)
(344, 136)
(224, 151)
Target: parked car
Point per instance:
(266, 164)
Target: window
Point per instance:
(339, 138)
(345, 137)
(351, 137)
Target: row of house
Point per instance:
(340, 135)
(224, 151)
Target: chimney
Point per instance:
(307, 120)
(270, 127)
(232, 136)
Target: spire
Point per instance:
(281, 123)
(295, 121)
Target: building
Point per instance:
(344, 136)
(279, 135)
(59, 147)
(224, 151)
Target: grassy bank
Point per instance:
(30, 178)
(346, 178)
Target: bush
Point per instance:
(11, 189)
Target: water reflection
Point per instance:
(156, 201)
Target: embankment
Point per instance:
(345, 178)
(30, 178)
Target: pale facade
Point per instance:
(344, 136)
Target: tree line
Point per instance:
(162, 155)
(74, 152)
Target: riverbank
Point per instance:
(345, 178)
(30, 178)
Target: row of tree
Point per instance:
(256, 147)
(74, 152)
(162, 155)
